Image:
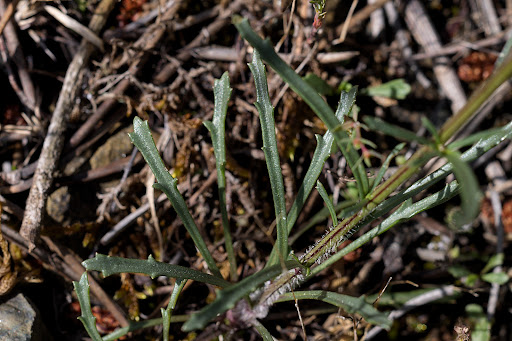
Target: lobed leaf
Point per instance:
(217, 128)
(142, 139)
(322, 151)
(87, 318)
(268, 132)
(114, 265)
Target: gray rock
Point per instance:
(20, 321)
(58, 203)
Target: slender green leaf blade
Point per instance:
(217, 128)
(323, 193)
(114, 265)
(322, 151)
(470, 192)
(400, 133)
(318, 84)
(350, 304)
(268, 133)
(87, 318)
(481, 147)
(311, 97)
(386, 163)
(264, 333)
(142, 139)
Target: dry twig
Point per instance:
(52, 147)
(423, 31)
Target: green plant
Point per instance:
(247, 301)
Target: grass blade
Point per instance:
(113, 265)
(142, 139)
(217, 128)
(268, 132)
(311, 97)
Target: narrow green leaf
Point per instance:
(114, 265)
(310, 96)
(493, 262)
(264, 333)
(375, 123)
(432, 129)
(323, 193)
(167, 313)
(496, 277)
(87, 318)
(385, 165)
(470, 192)
(322, 151)
(227, 298)
(318, 84)
(268, 133)
(474, 138)
(217, 128)
(142, 139)
(397, 89)
(351, 305)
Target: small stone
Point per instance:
(58, 203)
(20, 320)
